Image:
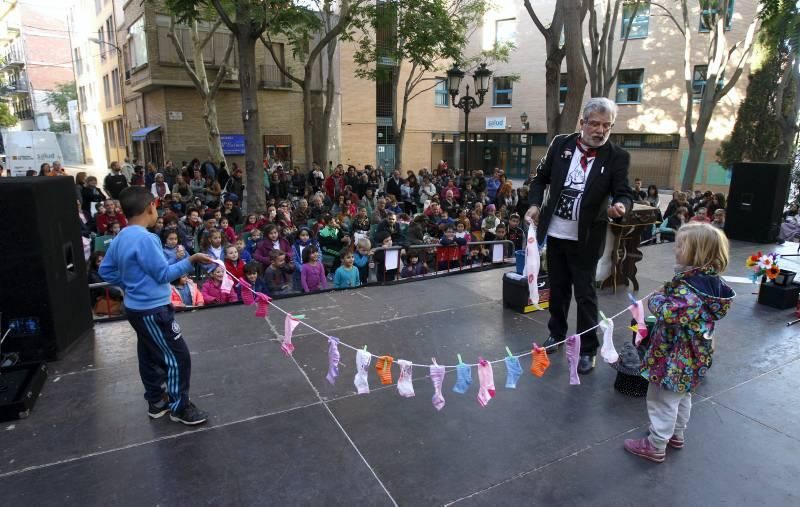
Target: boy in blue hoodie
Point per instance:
(135, 261)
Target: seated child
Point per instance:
(500, 235)
(172, 250)
(242, 249)
(332, 240)
(347, 274)
(384, 239)
(185, 293)
(214, 246)
(303, 241)
(363, 251)
(462, 234)
(278, 275)
(312, 275)
(413, 267)
(448, 258)
(252, 242)
(233, 263)
(252, 273)
(213, 292)
(227, 230)
(515, 233)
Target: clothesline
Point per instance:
(447, 367)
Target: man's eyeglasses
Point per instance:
(596, 124)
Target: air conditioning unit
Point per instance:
(232, 74)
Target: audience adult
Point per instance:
(112, 214)
(115, 181)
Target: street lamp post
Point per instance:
(467, 102)
(120, 72)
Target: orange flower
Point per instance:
(773, 271)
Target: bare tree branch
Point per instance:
(669, 14)
(223, 16)
(535, 18)
(223, 68)
(210, 34)
(281, 66)
(182, 57)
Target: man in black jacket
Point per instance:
(393, 184)
(583, 171)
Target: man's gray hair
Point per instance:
(600, 105)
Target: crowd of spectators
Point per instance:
(697, 206)
(317, 231)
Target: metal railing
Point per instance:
(270, 76)
(454, 259)
(426, 252)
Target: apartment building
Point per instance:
(649, 91)
(97, 66)
(34, 58)
(164, 111)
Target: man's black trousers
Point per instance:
(571, 265)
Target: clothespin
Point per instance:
(459, 359)
(365, 348)
(634, 328)
(633, 299)
(435, 363)
(508, 351)
(298, 317)
(603, 316)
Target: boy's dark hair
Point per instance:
(276, 254)
(135, 200)
(307, 251)
(342, 254)
(449, 228)
(381, 236)
(253, 267)
(501, 225)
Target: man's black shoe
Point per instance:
(551, 341)
(190, 415)
(586, 364)
(160, 409)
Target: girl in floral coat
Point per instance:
(679, 350)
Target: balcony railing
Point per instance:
(269, 76)
(18, 86)
(24, 114)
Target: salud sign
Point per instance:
(232, 144)
(495, 123)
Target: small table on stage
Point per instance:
(627, 237)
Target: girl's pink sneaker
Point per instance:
(643, 448)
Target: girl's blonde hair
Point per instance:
(701, 245)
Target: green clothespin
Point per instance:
(603, 316)
(509, 352)
(299, 317)
(365, 348)
(459, 359)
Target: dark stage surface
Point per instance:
(280, 434)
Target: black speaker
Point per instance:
(756, 198)
(44, 293)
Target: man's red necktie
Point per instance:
(586, 154)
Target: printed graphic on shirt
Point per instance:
(569, 202)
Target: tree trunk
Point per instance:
(210, 118)
(788, 122)
(398, 141)
(253, 145)
(552, 65)
(212, 129)
(576, 73)
(308, 116)
(330, 97)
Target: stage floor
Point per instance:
(280, 434)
